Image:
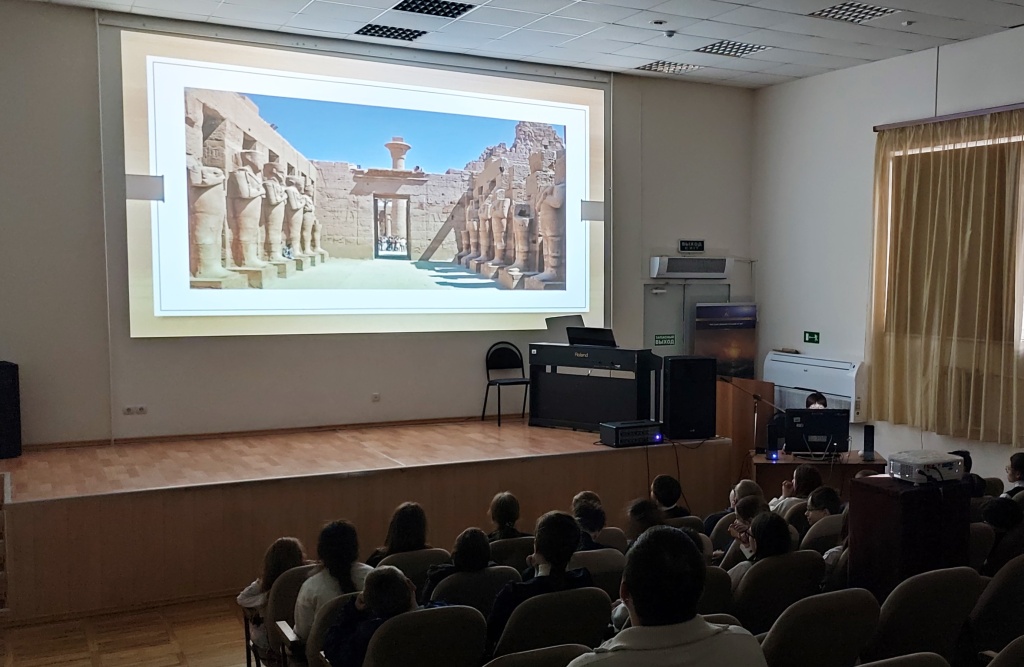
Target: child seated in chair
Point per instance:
(284, 554)
(666, 491)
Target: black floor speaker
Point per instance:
(689, 390)
(10, 411)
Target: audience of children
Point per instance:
(284, 554)
(504, 514)
(592, 519)
(661, 586)
(666, 491)
(406, 532)
(471, 553)
(768, 537)
(341, 572)
(806, 478)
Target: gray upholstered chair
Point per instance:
(437, 637)
(475, 589)
(1012, 655)
(691, 522)
(326, 616)
(823, 535)
(512, 552)
(717, 595)
(605, 567)
(998, 616)
(773, 584)
(839, 578)
(578, 616)
(926, 613)
(994, 486)
(808, 633)
(796, 516)
(281, 607)
(911, 660)
(983, 536)
(414, 564)
(720, 536)
(733, 556)
(613, 537)
(552, 656)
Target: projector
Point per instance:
(921, 466)
(635, 433)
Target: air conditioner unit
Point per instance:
(796, 375)
(706, 268)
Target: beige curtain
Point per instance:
(945, 348)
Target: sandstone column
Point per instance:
(245, 209)
(207, 207)
(294, 204)
(500, 208)
(486, 247)
(473, 231)
(274, 210)
(551, 213)
(308, 216)
(521, 232)
(399, 207)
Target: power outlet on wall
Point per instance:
(375, 397)
(132, 410)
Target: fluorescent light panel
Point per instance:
(442, 8)
(390, 32)
(728, 47)
(668, 67)
(853, 12)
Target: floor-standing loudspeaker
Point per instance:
(868, 453)
(689, 397)
(10, 411)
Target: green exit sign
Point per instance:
(664, 339)
(812, 337)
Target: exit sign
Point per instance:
(691, 245)
(812, 337)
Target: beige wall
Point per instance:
(812, 195)
(682, 167)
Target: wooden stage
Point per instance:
(123, 526)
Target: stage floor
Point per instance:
(99, 469)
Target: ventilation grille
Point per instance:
(853, 12)
(666, 67)
(735, 49)
(696, 265)
(442, 8)
(390, 32)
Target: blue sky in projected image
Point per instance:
(356, 133)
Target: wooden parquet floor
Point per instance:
(195, 634)
(83, 471)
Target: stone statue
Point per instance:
(551, 215)
(273, 210)
(308, 216)
(521, 234)
(316, 247)
(294, 203)
(207, 207)
(473, 232)
(486, 247)
(245, 209)
(500, 207)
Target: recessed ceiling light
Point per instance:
(735, 49)
(390, 32)
(853, 12)
(667, 67)
(448, 10)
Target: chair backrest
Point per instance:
(823, 535)
(721, 619)
(706, 548)
(552, 656)
(1009, 547)
(807, 632)
(691, 522)
(475, 589)
(578, 616)
(998, 616)
(926, 613)
(605, 567)
(435, 637)
(994, 486)
(796, 516)
(281, 601)
(1012, 655)
(720, 536)
(414, 564)
(911, 660)
(717, 595)
(504, 356)
(613, 537)
(839, 578)
(983, 536)
(773, 584)
(326, 616)
(512, 552)
(733, 555)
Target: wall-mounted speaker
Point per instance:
(689, 390)
(10, 411)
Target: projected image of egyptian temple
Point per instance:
(300, 194)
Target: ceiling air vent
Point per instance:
(853, 12)
(442, 8)
(666, 67)
(735, 49)
(390, 32)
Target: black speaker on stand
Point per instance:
(10, 411)
(688, 386)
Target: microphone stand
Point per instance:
(757, 402)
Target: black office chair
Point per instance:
(504, 356)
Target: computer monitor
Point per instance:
(817, 431)
(590, 336)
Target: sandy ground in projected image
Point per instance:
(341, 273)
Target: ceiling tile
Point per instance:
(937, 26)
(716, 30)
(162, 13)
(593, 11)
(324, 25)
(292, 6)
(646, 20)
(472, 30)
(190, 6)
(982, 11)
(754, 17)
(805, 58)
(371, 4)
(498, 16)
(727, 62)
(798, 71)
(589, 43)
(613, 60)
(798, 6)
(681, 42)
(565, 26)
(698, 9)
(109, 5)
(331, 11)
(454, 41)
(848, 49)
(557, 54)
(535, 38)
(538, 6)
(653, 53)
(632, 4)
(625, 33)
(513, 47)
(254, 14)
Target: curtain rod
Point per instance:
(951, 116)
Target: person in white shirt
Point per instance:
(661, 584)
(284, 554)
(341, 573)
(1015, 475)
(806, 478)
